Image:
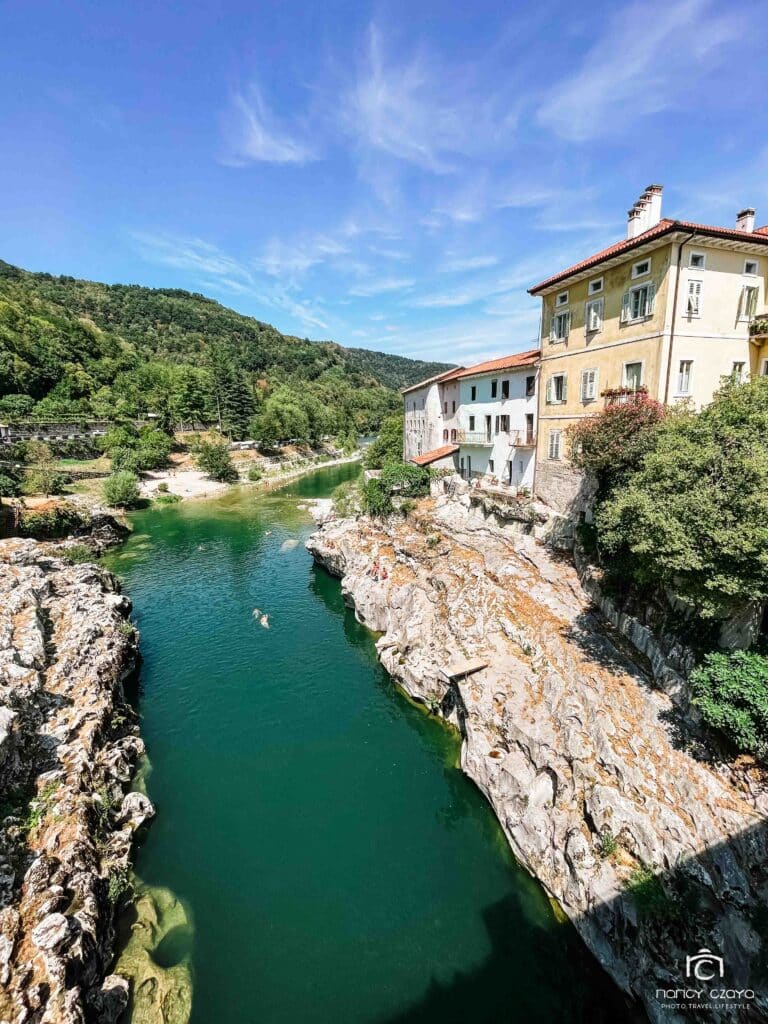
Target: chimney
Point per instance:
(745, 220)
(634, 221)
(646, 213)
(653, 194)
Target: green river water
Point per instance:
(335, 864)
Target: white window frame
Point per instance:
(697, 311)
(751, 273)
(697, 266)
(551, 399)
(587, 306)
(561, 299)
(629, 319)
(560, 339)
(740, 372)
(636, 272)
(633, 362)
(595, 287)
(589, 388)
(554, 445)
(679, 392)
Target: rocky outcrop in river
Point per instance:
(69, 746)
(652, 851)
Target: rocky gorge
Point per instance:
(653, 849)
(69, 746)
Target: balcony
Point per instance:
(623, 396)
(481, 438)
(758, 328)
(522, 439)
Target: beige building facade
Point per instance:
(668, 311)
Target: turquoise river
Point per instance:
(336, 865)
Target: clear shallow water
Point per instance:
(337, 864)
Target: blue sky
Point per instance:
(392, 175)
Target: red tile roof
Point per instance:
(430, 380)
(513, 362)
(664, 227)
(434, 455)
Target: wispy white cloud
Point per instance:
(650, 55)
(381, 286)
(460, 264)
(252, 134)
(190, 254)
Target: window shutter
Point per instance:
(550, 388)
(751, 301)
(625, 307)
(565, 387)
(584, 384)
(651, 298)
(552, 327)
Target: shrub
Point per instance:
(649, 895)
(255, 474)
(607, 845)
(375, 498)
(8, 487)
(78, 553)
(405, 479)
(347, 499)
(615, 439)
(167, 499)
(731, 691)
(121, 489)
(50, 523)
(214, 459)
(162, 487)
(388, 446)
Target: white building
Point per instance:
(497, 432)
(480, 420)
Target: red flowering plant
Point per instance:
(614, 441)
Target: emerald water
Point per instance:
(336, 864)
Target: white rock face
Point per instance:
(570, 741)
(68, 749)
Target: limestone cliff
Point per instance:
(651, 852)
(68, 748)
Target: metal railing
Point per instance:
(515, 438)
(478, 437)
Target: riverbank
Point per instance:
(651, 853)
(69, 745)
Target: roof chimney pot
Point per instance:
(745, 219)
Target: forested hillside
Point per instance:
(71, 347)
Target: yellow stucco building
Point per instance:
(668, 310)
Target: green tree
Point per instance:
(8, 487)
(613, 442)
(121, 489)
(693, 518)
(731, 691)
(214, 459)
(388, 446)
(41, 476)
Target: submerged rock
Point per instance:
(651, 853)
(69, 745)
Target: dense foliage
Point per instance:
(692, 518)
(136, 450)
(388, 446)
(731, 691)
(614, 441)
(213, 458)
(79, 348)
(121, 489)
(401, 480)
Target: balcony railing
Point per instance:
(621, 396)
(478, 437)
(758, 326)
(522, 439)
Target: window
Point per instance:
(749, 295)
(557, 389)
(765, 368)
(490, 465)
(504, 424)
(693, 306)
(588, 385)
(595, 286)
(554, 444)
(445, 435)
(494, 388)
(453, 435)
(453, 408)
(697, 261)
(562, 299)
(530, 386)
(561, 325)
(750, 267)
(445, 408)
(738, 371)
(505, 389)
(637, 303)
(593, 316)
(642, 268)
(633, 376)
(471, 422)
(473, 392)
(684, 377)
